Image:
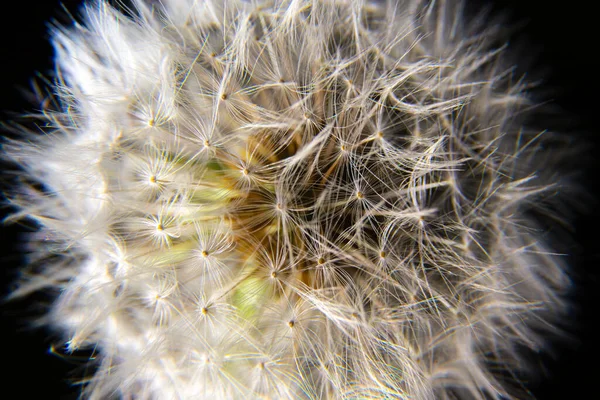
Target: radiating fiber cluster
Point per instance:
(290, 199)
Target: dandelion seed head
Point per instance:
(291, 199)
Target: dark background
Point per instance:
(561, 38)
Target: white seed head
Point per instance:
(290, 199)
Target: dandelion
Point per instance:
(291, 199)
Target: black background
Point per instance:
(562, 38)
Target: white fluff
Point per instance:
(290, 200)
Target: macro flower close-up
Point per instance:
(291, 199)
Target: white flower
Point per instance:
(291, 199)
